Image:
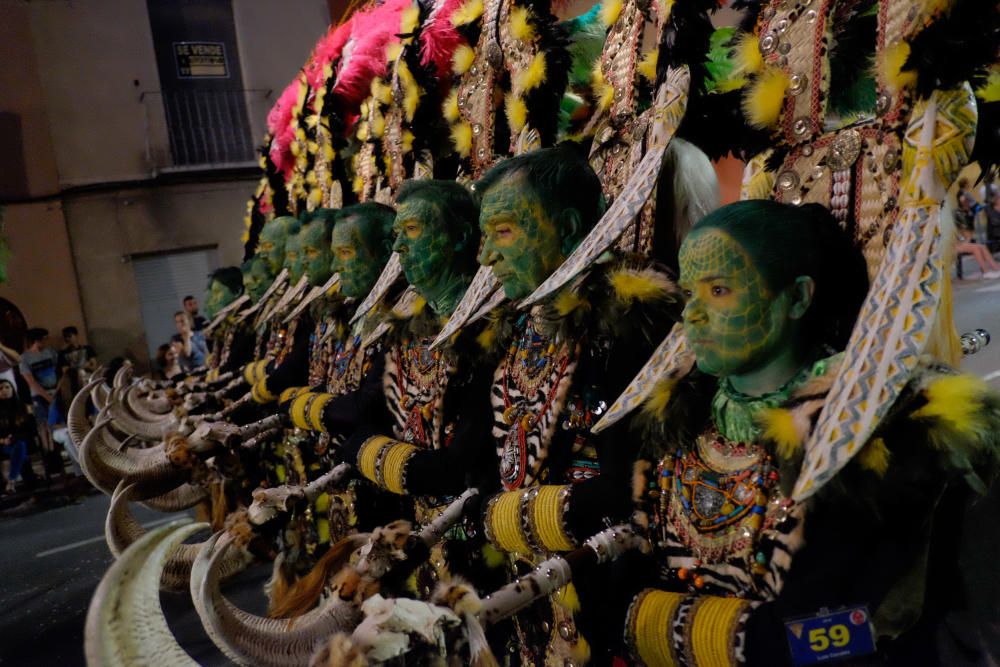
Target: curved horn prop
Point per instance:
(76, 418)
(248, 639)
(125, 623)
(106, 465)
(99, 394)
(147, 407)
(135, 426)
(121, 531)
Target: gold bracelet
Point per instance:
(548, 518)
(394, 466)
(369, 454)
(249, 371)
(298, 410)
(316, 412)
(260, 392)
(505, 521)
(713, 629)
(650, 626)
(290, 394)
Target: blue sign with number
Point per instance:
(830, 636)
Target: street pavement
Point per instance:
(51, 562)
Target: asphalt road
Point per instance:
(51, 562)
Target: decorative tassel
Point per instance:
(517, 112)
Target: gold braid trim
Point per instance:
(547, 518)
(713, 626)
(650, 626)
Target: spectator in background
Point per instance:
(39, 370)
(168, 361)
(193, 348)
(74, 355)
(69, 384)
(191, 308)
(15, 432)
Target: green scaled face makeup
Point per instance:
(256, 277)
(521, 241)
(314, 252)
(733, 322)
(217, 297)
(424, 247)
(358, 262)
(294, 258)
(271, 245)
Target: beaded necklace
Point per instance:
(421, 379)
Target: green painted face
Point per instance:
(314, 252)
(294, 258)
(271, 245)
(428, 253)
(522, 243)
(734, 324)
(424, 247)
(217, 297)
(256, 278)
(357, 259)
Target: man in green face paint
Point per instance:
(361, 244)
(257, 277)
(274, 235)
(224, 285)
(312, 248)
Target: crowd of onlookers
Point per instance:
(36, 389)
(187, 348)
(977, 222)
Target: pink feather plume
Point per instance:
(439, 39)
(364, 58)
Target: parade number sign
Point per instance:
(201, 60)
(830, 636)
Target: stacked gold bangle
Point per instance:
(260, 393)
(709, 626)
(255, 371)
(383, 461)
(531, 520)
(306, 410)
(291, 393)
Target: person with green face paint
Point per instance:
(224, 286)
(257, 277)
(771, 294)
(273, 237)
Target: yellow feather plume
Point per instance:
(610, 11)
(450, 107)
(408, 20)
(604, 93)
(779, 426)
(567, 598)
(393, 51)
(531, 77)
(487, 337)
(493, 557)
(358, 184)
(380, 91)
(362, 132)
(645, 285)
(659, 397)
(762, 103)
(874, 456)
(890, 67)
(467, 13)
(411, 91)
(461, 136)
(647, 66)
(955, 400)
(517, 112)
(377, 125)
(990, 91)
(520, 25)
(747, 56)
(567, 301)
(407, 141)
(462, 59)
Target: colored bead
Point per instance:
(682, 573)
(699, 582)
(761, 558)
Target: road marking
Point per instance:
(995, 287)
(99, 538)
(992, 376)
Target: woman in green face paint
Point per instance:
(772, 292)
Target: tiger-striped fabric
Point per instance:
(416, 399)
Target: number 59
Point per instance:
(820, 639)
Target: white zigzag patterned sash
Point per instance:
(393, 269)
(483, 285)
(899, 312)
